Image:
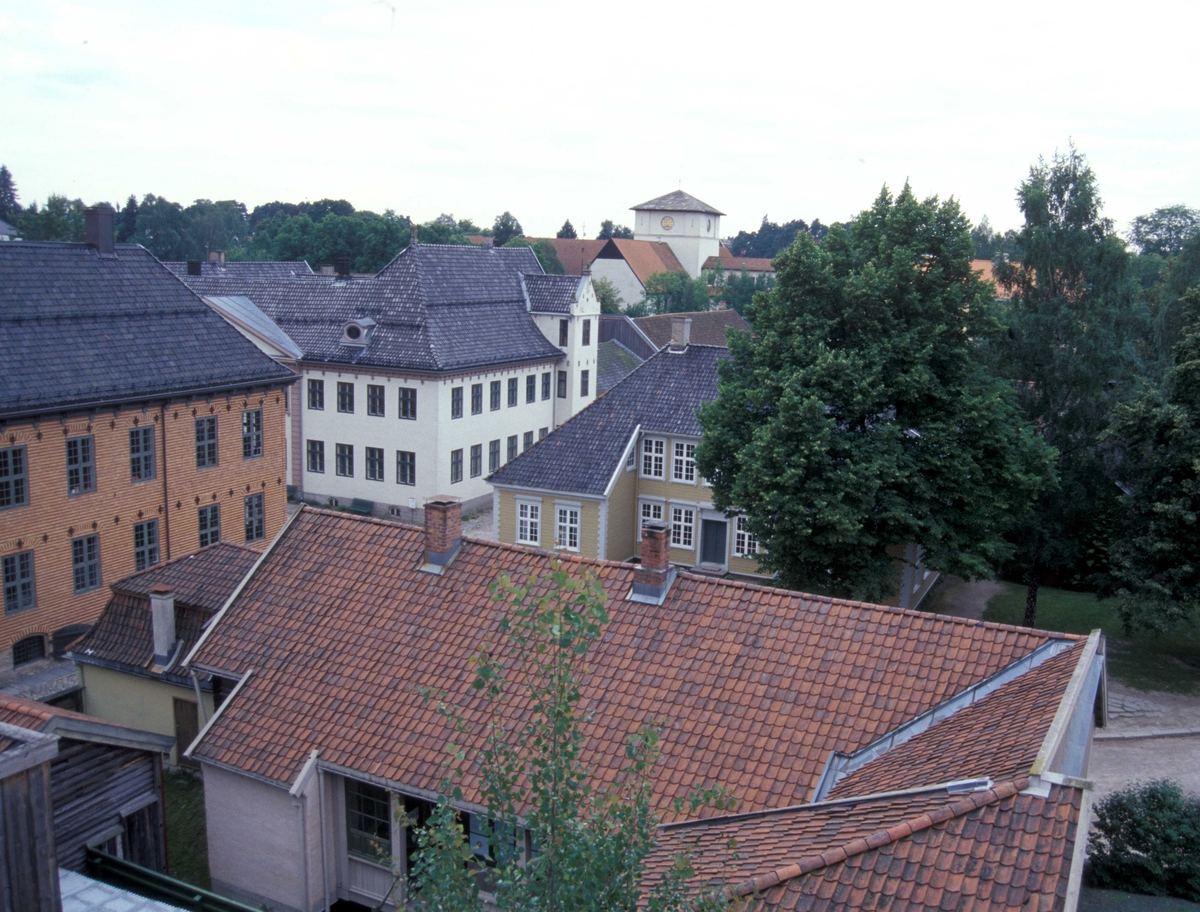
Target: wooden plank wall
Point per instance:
(28, 864)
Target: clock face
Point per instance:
(667, 222)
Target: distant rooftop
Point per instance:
(678, 201)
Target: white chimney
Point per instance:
(162, 620)
(681, 333)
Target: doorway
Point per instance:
(714, 542)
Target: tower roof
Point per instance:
(678, 201)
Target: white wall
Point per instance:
(579, 357)
(619, 273)
(694, 236)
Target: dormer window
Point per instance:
(357, 332)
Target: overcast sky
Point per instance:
(563, 110)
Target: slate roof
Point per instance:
(436, 308)
(614, 362)
(753, 686)
(708, 326)
(244, 269)
(678, 201)
(644, 257)
(79, 330)
(551, 293)
(202, 582)
(581, 455)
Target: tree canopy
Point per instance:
(607, 294)
(567, 230)
(675, 292)
(1165, 230)
(9, 205)
(991, 244)
(608, 230)
(505, 228)
(772, 238)
(859, 415)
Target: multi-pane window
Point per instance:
(208, 520)
(374, 464)
(316, 456)
(531, 388)
(513, 391)
(529, 520)
(81, 465)
(456, 402)
(745, 544)
(29, 649)
(494, 395)
(476, 398)
(406, 467)
(368, 822)
(512, 447)
(14, 483)
(476, 460)
(546, 385)
(345, 396)
(651, 512)
(683, 466)
(566, 530)
(206, 442)
(85, 562)
(408, 403)
(141, 454)
(493, 455)
(654, 451)
(376, 400)
(583, 384)
(252, 434)
(255, 515)
(456, 462)
(316, 395)
(563, 329)
(527, 440)
(145, 544)
(344, 457)
(543, 433)
(19, 591)
(587, 332)
(683, 527)
(562, 384)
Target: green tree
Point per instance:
(544, 251)
(772, 238)
(1156, 558)
(222, 225)
(1165, 230)
(859, 415)
(436, 232)
(591, 840)
(127, 220)
(606, 293)
(505, 228)
(567, 231)
(9, 205)
(608, 230)
(1071, 352)
(60, 219)
(162, 228)
(991, 244)
(737, 289)
(675, 292)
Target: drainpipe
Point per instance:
(324, 854)
(199, 703)
(302, 814)
(166, 493)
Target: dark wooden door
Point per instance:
(714, 534)
(187, 726)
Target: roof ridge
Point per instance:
(857, 846)
(155, 568)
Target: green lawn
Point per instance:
(187, 841)
(1168, 662)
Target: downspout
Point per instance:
(166, 494)
(324, 854)
(199, 698)
(302, 813)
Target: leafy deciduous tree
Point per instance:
(1165, 230)
(606, 293)
(608, 230)
(505, 228)
(675, 292)
(60, 219)
(858, 416)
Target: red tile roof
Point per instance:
(644, 257)
(753, 686)
(730, 263)
(708, 326)
(575, 254)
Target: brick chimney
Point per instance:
(443, 531)
(653, 577)
(217, 257)
(162, 621)
(98, 228)
(681, 333)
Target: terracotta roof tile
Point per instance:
(344, 632)
(709, 327)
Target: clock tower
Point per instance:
(690, 226)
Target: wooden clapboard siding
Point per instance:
(28, 864)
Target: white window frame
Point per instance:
(683, 462)
(745, 542)
(647, 507)
(654, 455)
(563, 527)
(683, 527)
(529, 521)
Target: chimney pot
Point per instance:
(654, 575)
(162, 622)
(98, 228)
(343, 267)
(443, 531)
(681, 333)
(413, 235)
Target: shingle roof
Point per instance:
(678, 201)
(202, 582)
(551, 293)
(81, 330)
(709, 327)
(436, 308)
(614, 362)
(244, 269)
(581, 455)
(753, 686)
(645, 258)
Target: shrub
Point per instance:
(1146, 839)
